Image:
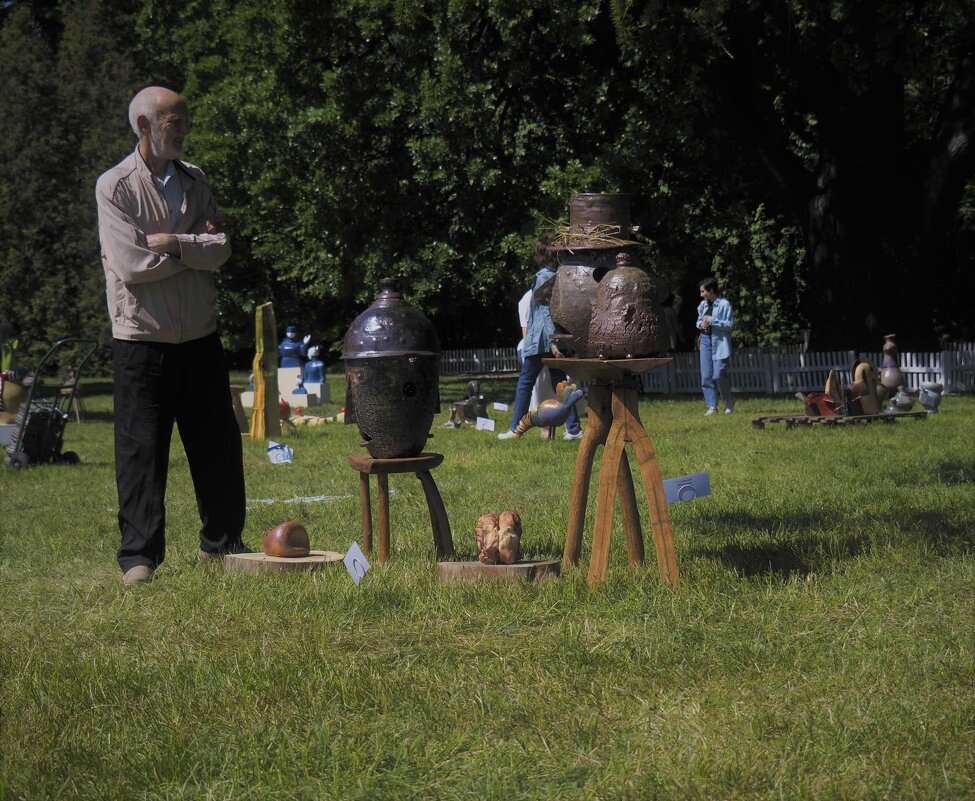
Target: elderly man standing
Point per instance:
(161, 244)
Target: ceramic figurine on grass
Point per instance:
(292, 351)
(551, 413)
(499, 538)
(486, 535)
(902, 401)
(509, 537)
(470, 408)
(314, 370)
(930, 396)
(863, 391)
(288, 540)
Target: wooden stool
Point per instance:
(421, 465)
(614, 421)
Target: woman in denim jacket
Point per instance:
(714, 322)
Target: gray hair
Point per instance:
(142, 105)
(147, 103)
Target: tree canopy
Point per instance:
(816, 158)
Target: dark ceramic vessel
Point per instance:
(583, 261)
(574, 288)
(392, 368)
(628, 320)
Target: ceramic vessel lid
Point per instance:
(390, 327)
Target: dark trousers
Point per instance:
(158, 384)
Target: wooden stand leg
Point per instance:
(597, 429)
(656, 498)
(438, 515)
(631, 515)
(609, 478)
(614, 422)
(383, 503)
(366, 512)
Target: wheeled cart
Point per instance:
(39, 433)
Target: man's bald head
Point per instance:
(150, 103)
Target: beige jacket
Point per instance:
(156, 297)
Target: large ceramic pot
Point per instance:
(599, 229)
(863, 389)
(902, 401)
(628, 319)
(392, 368)
(890, 372)
(572, 293)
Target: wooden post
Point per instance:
(265, 420)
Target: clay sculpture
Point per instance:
(288, 540)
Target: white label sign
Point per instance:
(278, 452)
(356, 562)
(687, 488)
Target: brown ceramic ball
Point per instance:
(288, 540)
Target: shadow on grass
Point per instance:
(949, 474)
(801, 555)
(786, 559)
(955, 473)
(943, 535)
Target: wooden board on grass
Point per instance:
(257, 563)
(793, 420)
(519, 571)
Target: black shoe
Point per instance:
(217, 556)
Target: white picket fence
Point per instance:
(479, 360)
(755, 371)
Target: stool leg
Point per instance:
(656, 498)
(597, 428)
(383, 503)
(631, 515)
(438, 515)
(366, 513)
(609, 479)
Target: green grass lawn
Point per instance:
(820, 645)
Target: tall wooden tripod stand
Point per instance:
(614, 421)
